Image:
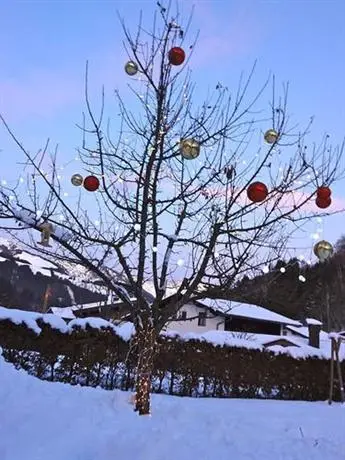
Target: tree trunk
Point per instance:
(147, 348)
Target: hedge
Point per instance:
(97, 357)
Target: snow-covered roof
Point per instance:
(304, 331)
(313, 322)
(62, 312)
(98, 304)
(248, 311)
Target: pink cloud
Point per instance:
(288, 201)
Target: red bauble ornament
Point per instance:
(91, 183)
(257, 191)
(323, 202)
(323, 192)
(176, 56)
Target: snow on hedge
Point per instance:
(30, 319)
(126, 331)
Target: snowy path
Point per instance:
(53, 421)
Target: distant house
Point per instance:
(268, 328)
(208, 315)
(111, 309)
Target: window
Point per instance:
(202, 319)
(182, 315)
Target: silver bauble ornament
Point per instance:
(190, 149)
(77, 180)
(271, 136)
(131, 68)
(323, 250)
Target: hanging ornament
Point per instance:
(176, 56)
(91, 183)
(323, 250)
(190, 149)
(271, 136)
(46, 231)
(323, 192)
(131, 68)
(257, 191)
(77, 180)
(323, 203)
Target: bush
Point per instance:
(97, 357)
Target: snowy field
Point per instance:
(52, 421)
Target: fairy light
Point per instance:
(283, 270)
(302, 278)
(146, 342)
(154, 249)
(266, 269)
(137, 227)
(180, 262)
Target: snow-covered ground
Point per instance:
(41, 420)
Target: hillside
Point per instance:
(26, 278)
(56, 421)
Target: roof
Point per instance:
(63, 312)
(304, 332)
(247, 311)
(99, 304)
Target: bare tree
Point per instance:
(176, 223)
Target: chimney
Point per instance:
(314, 327)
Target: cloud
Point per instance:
(288, 201)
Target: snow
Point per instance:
(62, 233)
(37, 264)
(313, 322)
(18, 317)
(63, 312)
(247, 311)
(28, 217)
(43, 420)
(222, 338)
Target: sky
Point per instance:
(44, 46)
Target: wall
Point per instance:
(252, 325)
(192, 326)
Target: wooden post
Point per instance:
(330, 399)
(340, 377)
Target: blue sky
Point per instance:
(44, 46)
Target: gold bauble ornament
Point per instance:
(77, 180)
(323, 250)
(271, 136)
(131, 68)
(190, 149)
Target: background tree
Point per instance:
(185, 226)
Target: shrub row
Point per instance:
(97, 357)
